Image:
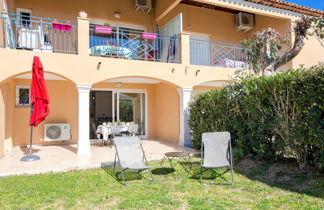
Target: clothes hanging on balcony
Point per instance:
(8, 32)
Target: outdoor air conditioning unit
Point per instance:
(244, 21)
(144, 5)
(57, 132)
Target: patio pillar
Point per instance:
(184, 99)
(83, 120)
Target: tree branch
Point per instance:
(301, 28)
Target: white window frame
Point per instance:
(20, 10)
(118, 90)
(17, 96)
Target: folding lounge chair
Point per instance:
(130, 156)
(216, 153)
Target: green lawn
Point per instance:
(257, 185)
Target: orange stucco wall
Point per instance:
(163, 115)
(311, 54)
(82, 68)
(220, 25)
(163, 7)
(2, 120)
(96, 9)
(166, 113)
(205, 88)
(63, 96)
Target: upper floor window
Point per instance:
(24, 17)
(23, 96)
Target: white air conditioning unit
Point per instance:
(144, 5)
(244, 21)
(57, 132)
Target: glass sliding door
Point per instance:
(130, 107)
(118, 106)
(101, 109)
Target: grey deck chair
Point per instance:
(216, 153)
(130, 156)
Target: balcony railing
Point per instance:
(39, 34)
(220, 54)
(130, 44)
(51, 35)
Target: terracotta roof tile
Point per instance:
(289, 6)
(272, 3)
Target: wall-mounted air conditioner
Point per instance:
(144, 5)
(244, 21)
(57, 132)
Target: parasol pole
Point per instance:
(30, 157)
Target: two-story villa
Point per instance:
(135, 61)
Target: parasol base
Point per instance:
(29, 158)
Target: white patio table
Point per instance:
(113, 129)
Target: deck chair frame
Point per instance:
(122, 171)
(228, 168)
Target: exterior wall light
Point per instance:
(119, 84)
(117, 14)
(98, 65)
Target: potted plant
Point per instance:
(83, 14)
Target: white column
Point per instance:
(83, 120)
(184, 99)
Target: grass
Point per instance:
(258, 185)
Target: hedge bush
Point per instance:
(268, 117)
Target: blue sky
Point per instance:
(316, 4)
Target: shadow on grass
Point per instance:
(163, 171)
(193, 170)
(283, 174)
(129, 176)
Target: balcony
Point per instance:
(60, 36)
(38, 34)
(208, 53)
(133, 44)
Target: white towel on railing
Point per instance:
(228, 63)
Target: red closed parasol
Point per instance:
(39, 103)
(39, 95)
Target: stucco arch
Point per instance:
(137, 76)
(26, 72)
(63, 96)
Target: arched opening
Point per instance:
(213, 84)
(15, 110)
(151, 103)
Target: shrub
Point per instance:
(268, 117)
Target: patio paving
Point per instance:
(60, 158)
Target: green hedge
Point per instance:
(268, 117)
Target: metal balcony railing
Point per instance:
(38, 34)
(130, 44)
(220, 54)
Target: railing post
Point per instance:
(83, 36)
(185, 48)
